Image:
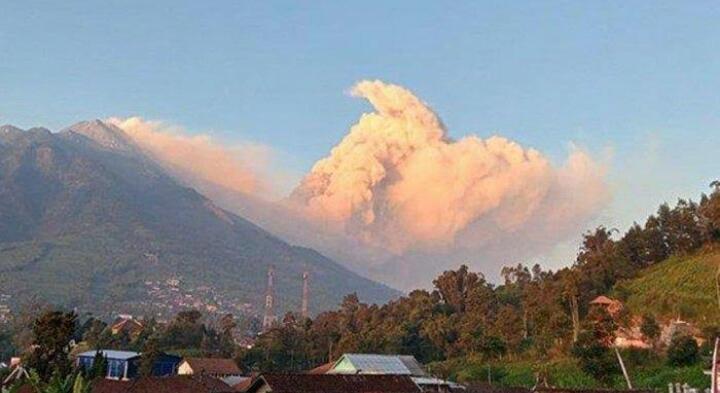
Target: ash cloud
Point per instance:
(199, 159)
(397, 199)
(399, 183)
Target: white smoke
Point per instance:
(397, 199)
(199, 159)
(397, 182)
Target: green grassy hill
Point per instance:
(565, 373)
(679, 286)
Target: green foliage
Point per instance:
(659, 377)
(150, 354)
(595, 358)
(99, 368)
(682, 285)
(59, 383)
(650, 328)
(682, 351)
(52, 332)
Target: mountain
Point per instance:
(681, 286)
(88, 220)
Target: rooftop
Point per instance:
(170, 384)
(335, 383)
(110, 354)
(356, 363)
(215, 366)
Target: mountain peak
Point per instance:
(9, 132)
(105, 134)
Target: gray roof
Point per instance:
(382, 364)
(111, 354)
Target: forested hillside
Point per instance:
(538, 317)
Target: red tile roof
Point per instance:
(171, 384)
(322, 369)
(335, 383)
(602, 300)
(213, 366)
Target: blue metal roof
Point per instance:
(111, 354)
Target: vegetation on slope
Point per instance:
(537, 316)
(681, 286)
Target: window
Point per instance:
(116, 368)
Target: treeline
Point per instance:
(534, 313)
(187, 334)
(46, 339)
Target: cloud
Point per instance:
(199, 159)
(398, 183)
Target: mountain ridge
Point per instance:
(86, 202)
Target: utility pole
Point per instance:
(714, 370)
(622, 366)
(269, 319)
(305, 295)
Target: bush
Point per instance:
(595, 359)
(683, 351)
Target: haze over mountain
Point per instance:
(88, 218)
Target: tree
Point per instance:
(52, 332)
(683, 351)
(185, 331)
(650, 328)
(58, 383)
(99, 367)
(595, 358)
(227, 341)
(454, 286)
(150, 354)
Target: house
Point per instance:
(612, 306)
(128, 325)
(377, 364)
(332, 383)
(225, 369)
(123, 365)
(167, 384)
(120, 364)
(360, 363)
(214, 367)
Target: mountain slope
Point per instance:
(87, 220)
(679, 286)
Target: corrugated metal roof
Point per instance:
(378, 364)
(111, 354)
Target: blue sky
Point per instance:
(639, 80)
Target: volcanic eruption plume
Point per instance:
(397, 197)
(398, 182)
